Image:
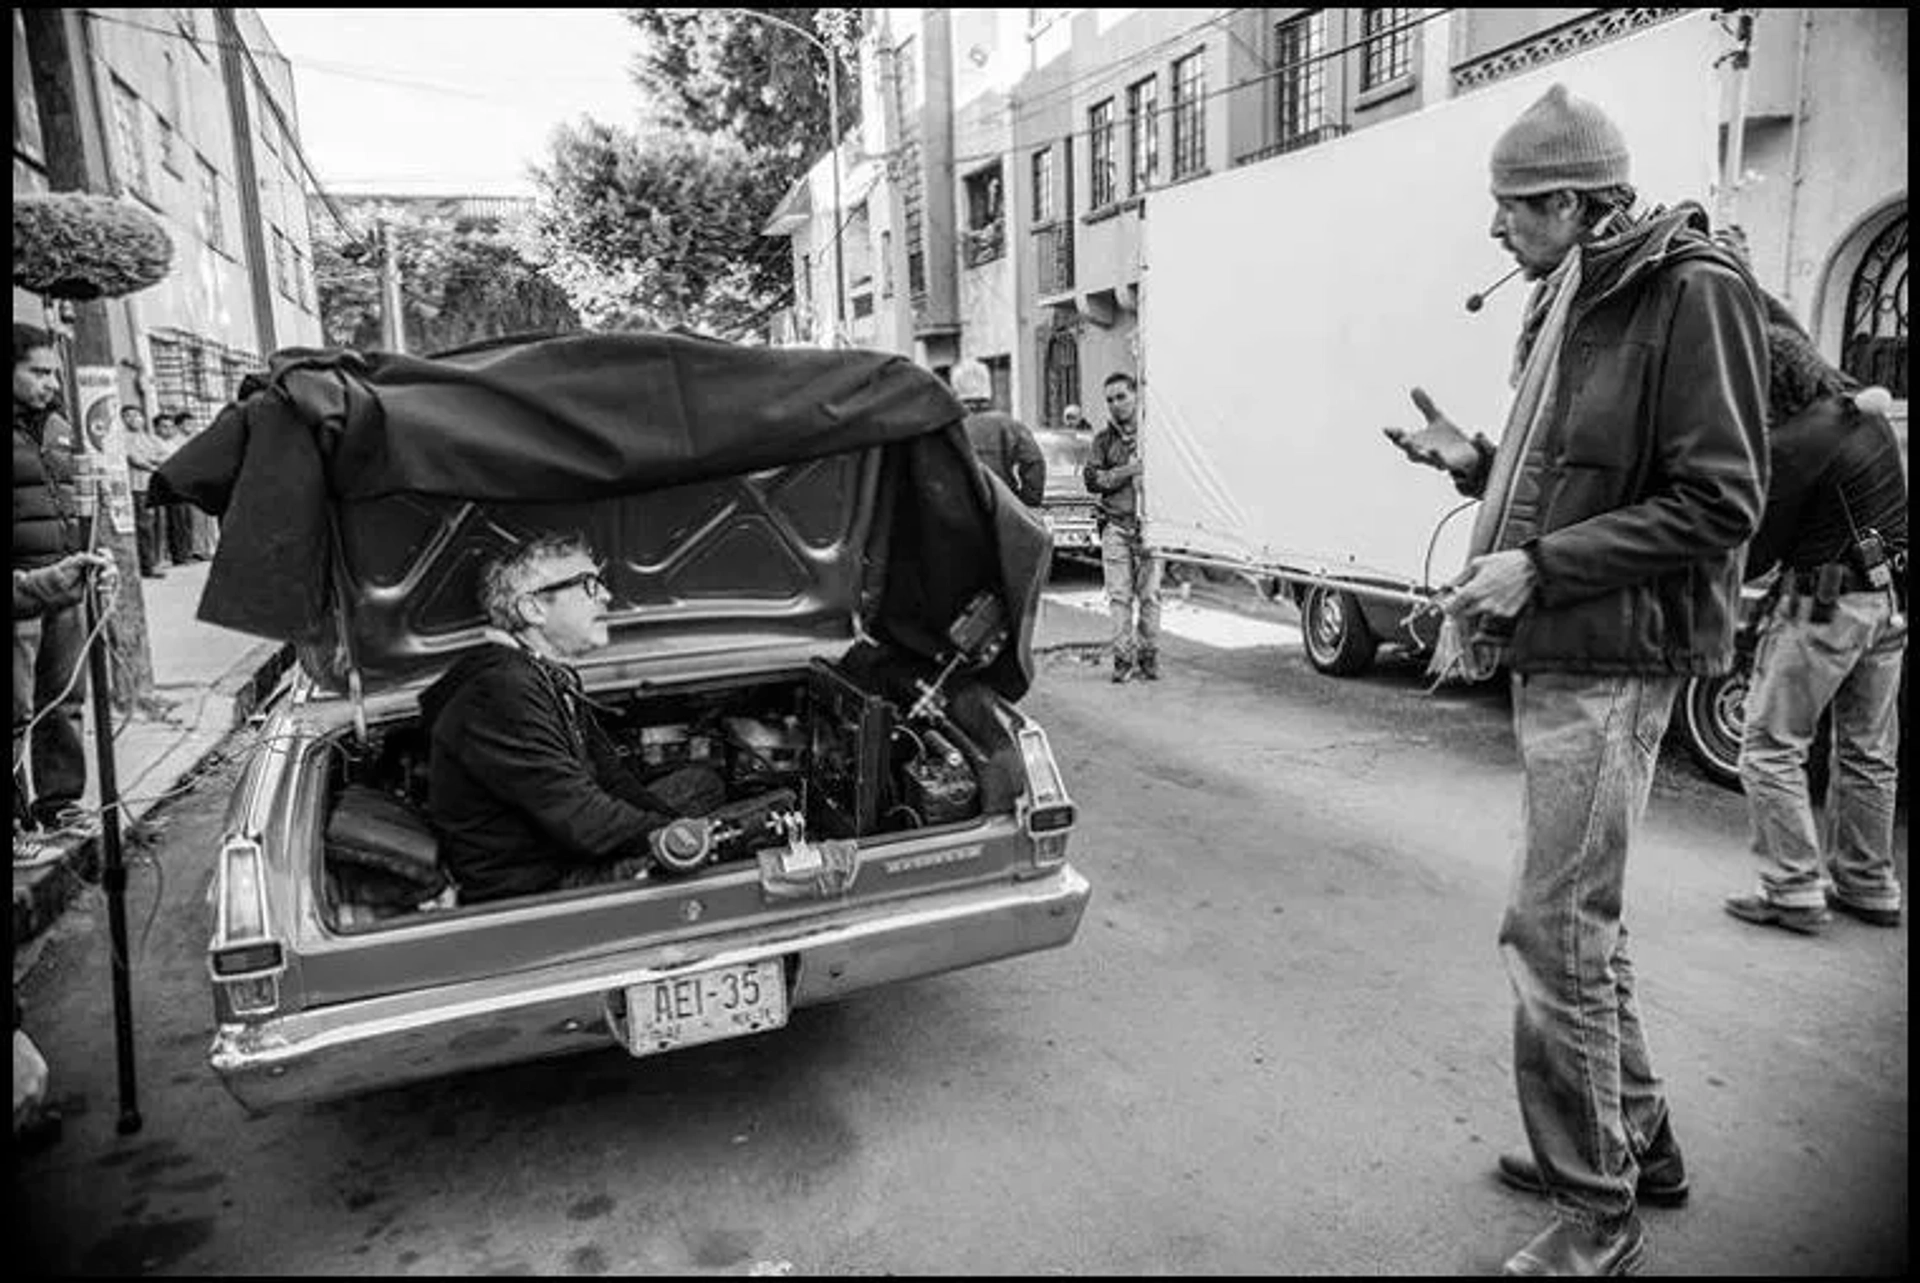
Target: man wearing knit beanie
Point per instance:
(1604, 570)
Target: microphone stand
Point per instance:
(113, 874)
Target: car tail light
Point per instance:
(245, 958)
(1050, 813)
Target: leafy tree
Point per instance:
(715, 71)
(660, 231)
(462, 280)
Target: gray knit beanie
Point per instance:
(1561, 142)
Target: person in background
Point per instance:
(1131, 570)
(49, 670)
(203, 531)
(1605, 569)
(1834, 637)
(176, 518)
(143, 456)
(1073, 420)
(1000, 441)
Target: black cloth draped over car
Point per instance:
(311, 444)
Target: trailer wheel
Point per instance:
(1712, 717)
(1334, 629)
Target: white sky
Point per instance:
(448, 101)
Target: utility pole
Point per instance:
(246, 180)
(65, 90)
(393, 324)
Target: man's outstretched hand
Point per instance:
(1438, 445)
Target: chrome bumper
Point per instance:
(384, 1042)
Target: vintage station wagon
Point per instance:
(815, 591)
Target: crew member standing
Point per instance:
(999, 440)
(1131, 570)
(1834, 637)
(1605, 570)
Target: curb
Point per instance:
(51, 887)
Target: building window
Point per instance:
(280, 281)
(1143, 138)
(886, 264)
(1386, 51)
(1874, 349)
(302, 281)
(1000, 372)
(906, 88)
(27, 139)
(127, 136)
(916, 255)
(985, 238)
(806, 282)
(1060, 386)
(212, 227)
(1043, 195)
(1299, 49)
(1100, 152)
(1189, 115)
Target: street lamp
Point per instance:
(833, 124)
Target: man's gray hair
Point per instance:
(510, 576)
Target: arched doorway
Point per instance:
(1060, 371)
(1873, 344)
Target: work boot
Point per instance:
(1564, 1249)
(1873, 917)
(1150, 665)
(1121, 670)
(1663, 1172)
(1753, 907)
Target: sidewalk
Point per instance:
(207, 679)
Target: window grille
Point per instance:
(1386, 53)
(1299, 49)
(1061, 378)
(1875, 347)
(1100, 149)
(1189, 115)
(1143, 135)
(1043, 196)
(197, 375)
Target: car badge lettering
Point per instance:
(932, 859)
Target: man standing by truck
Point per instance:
(1605, 569)
(1131, 570)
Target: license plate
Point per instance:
(706, 1006)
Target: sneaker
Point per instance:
(1756, 908)
(1873, 917)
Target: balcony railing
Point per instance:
(1053, 257)
(1293, 142)
(983, 244)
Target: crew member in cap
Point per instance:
(1604, 570)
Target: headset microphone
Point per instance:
(1477, 301)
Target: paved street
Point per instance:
(1279, 1044)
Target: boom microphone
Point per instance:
(1477, 301)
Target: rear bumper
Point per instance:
(1071, 529)
(384, 1042)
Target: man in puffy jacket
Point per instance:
(999, 440)
(49, 677)
(1605, 570)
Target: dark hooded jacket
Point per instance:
(1653, 470)
(523, 782)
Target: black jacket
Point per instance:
(1654, 468)
(1829, 450)
(523, 784)
(45, 512)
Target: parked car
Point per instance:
(815, 592)
(1067, 508)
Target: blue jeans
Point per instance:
(1589, 1098)
(1851, 663)
(1132, 575)
(46, 651)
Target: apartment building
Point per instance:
(1008, 159)
(192, 114)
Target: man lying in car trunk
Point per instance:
(524, 785)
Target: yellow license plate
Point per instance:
(706, 1006)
